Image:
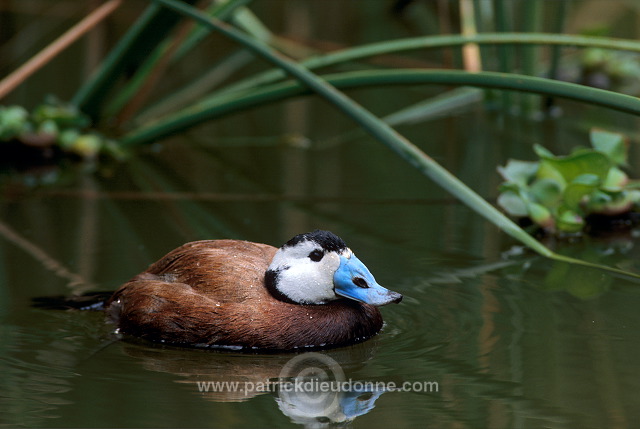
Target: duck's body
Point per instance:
(231, 293)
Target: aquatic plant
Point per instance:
(558, 193)
(52, 127)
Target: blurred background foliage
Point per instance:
(145, 73)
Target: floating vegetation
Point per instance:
(50, 129)
(559, 194)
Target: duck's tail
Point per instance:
(92, 301)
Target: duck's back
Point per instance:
(212, 293)
(222, 270)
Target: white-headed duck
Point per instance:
(312, 292)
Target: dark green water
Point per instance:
(510, 339)
(488, 335)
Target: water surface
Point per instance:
(510, 339)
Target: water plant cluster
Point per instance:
(52, 127)
(559, 193)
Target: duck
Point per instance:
(313, 292)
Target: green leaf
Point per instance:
(587, 179)
(617, 203)
(634, 196)
(547, 192)
(579, 188)
(86, 145)
(616, 180)
(513, 204)
(540, 215)
(542, 152)
(65, 116)
(570, 221)
(14, 120)
(614, 145)
(598, 200)
(547, 171)
(513, 187)
(582, 162)
(520, 172)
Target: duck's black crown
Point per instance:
(327, 239)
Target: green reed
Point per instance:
(380, 131)
(143, 46)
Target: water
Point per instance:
(488, 335)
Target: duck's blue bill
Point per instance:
(353, 280)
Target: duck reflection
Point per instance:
(310, 388)
(319, 407)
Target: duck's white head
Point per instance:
(318, 267)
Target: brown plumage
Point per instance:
(212, 293)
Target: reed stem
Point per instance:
(384, 133)
(228, 103)
(42, 58)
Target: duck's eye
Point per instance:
(360, 282)
(316, 255)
